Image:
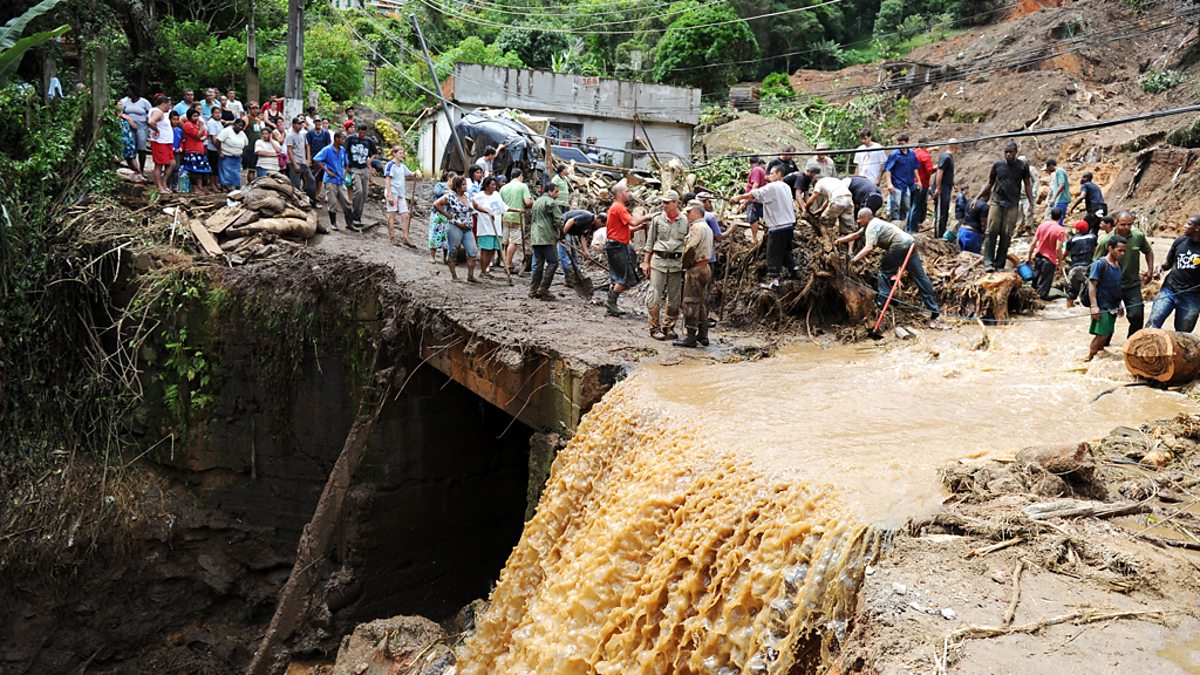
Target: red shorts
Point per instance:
(162, 153)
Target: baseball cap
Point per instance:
(704, 195)
(299, 119)
(695, 205)
(670, 196)
(1080, 226)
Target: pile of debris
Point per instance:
(252, 222)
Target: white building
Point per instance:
(628, 119)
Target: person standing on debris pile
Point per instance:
(564, 187)
(518, 198)
(837, 204)
(1060, 188)
(360, 150)
(1079, 250)
(662, 261)
(785, 161)
(899, 179)
(488, 160)
(545, 221)
(866, 195)
(895, 244)
(618, 248)
(1047, 253)
(975, 218)
(254, 126)
(758, 178)
(1132, 276)
(870, 158)
(919, 211)
(779, 210)
(1104, 289)
(1005, 183)
(162, 137)
(331, 161)
(1093, 202)
(1181, 289)
(456, 207)
(943, 188)
(697, 250)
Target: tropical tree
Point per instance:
(13, 46)
(702, 46)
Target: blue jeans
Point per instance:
(919, 209)
(1185, 305)
(1063, 207)
(898, 203)
(564, 258)
(455, 237)
(890, 266)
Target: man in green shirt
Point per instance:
(516, 196)
(1132, 276)
(543, 236)
(1060, 188)
(564, 188)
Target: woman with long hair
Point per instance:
(195, 155)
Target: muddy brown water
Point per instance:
(711, 518)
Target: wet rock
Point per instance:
(406, 644)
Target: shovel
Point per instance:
(583, 286)
(874, 333)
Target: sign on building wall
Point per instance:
(588, 81)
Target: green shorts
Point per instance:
(1106, 324)
(488, 242)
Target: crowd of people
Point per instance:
(483, 217)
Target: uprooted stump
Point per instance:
(1163, 356)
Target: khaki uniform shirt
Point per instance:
(665, 234)
(698, 246)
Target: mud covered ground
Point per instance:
(1114, 593)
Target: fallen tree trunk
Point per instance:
(1163, 356)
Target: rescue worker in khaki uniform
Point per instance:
(663, 263)
(697, 249)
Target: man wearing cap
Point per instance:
(296, 143)
(779, 210)
(899, 178)
(826, 167)
(1079, 254)
(943, 188)
(360, 150)
(896, 244)
(663, 262)
(920, 191)
(697, 250)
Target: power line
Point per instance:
(432, 4)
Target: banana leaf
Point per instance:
(10, 58)
(11, 31)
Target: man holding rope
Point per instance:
(896, 244)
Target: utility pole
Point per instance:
(293, 85)
(252, 91)
(462, 154)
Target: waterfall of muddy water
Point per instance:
(712, 518)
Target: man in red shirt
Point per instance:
(622, 268)
(1046, 254)
(920, 194)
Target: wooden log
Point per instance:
(1163, 356)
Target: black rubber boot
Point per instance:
(611, 305)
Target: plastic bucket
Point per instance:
(1025, 270)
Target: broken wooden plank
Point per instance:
(219, 221)
(205, 238)
(1073, 508)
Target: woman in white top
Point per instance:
(268, 149)
(162, 142)
(488, 225)
(231, 143)
(135, 110)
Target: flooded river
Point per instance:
(716, 518)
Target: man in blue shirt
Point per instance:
(1093, 202)
(1104, 288)
(331, 162)
(900, 176)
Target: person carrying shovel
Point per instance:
(898, 246)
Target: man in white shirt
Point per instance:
(836, 200)
(234, 105)
(870, 158)
(779, 212)
(296, 142)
